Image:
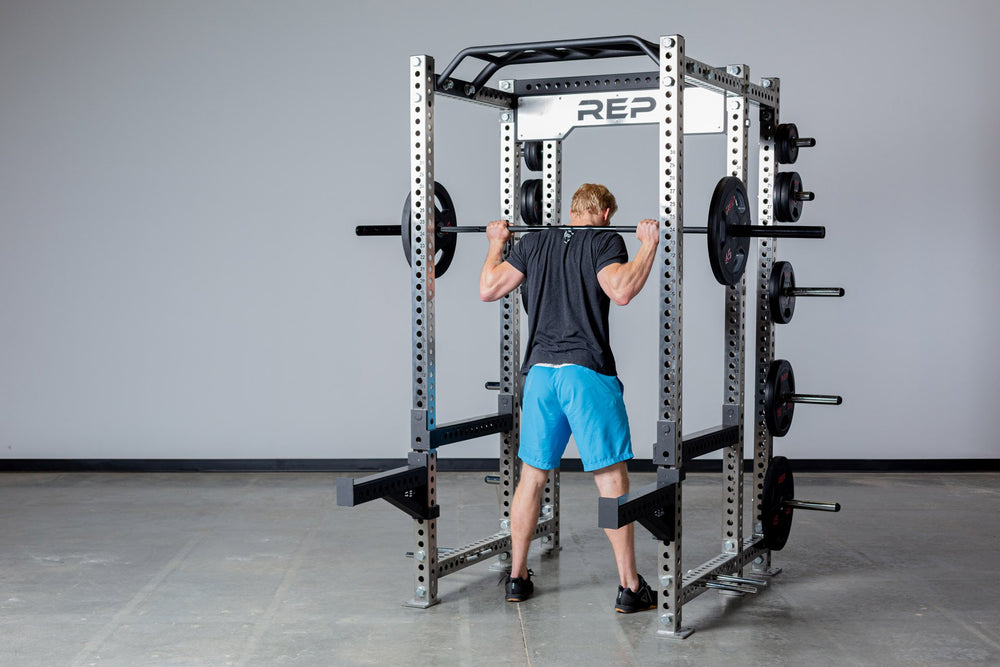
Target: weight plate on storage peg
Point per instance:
(534, 154)
(444, 216)
(785, 146)
(728, 253)
(775, 516)
(779, 284)
(787, 205)
(778, 387)
(531, 202)
(787, 143)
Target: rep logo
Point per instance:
(615, 108)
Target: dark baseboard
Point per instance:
(462, 465)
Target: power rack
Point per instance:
(682, 96)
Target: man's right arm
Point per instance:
(498, 277)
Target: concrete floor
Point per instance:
(265, 569)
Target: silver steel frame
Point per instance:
(667, 86)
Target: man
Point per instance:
(569, 279)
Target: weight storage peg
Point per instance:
(788, 196)
(777, 502)
(787, 143)
(729, 230)
(780, 397)
(781, 292)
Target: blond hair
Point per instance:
(593, 198)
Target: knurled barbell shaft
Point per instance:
(813, 399)
(813, 291)
(752, 231)
(814, 505)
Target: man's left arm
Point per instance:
(622, 282)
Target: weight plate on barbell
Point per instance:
(779, 384)
(787, 208)
(775, 517)
(727, 253)
(531, 202)
(534, 154)
(781, 280)
(444, 216)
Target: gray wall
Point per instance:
(179, 184)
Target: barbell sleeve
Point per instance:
(814, 505)
(813, 399)
(378, 230)
(766, 232)
(805, 142)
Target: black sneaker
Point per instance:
(518, 589)
(642, 600)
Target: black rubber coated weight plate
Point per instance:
(785, 147)
(444, 216)
(776, 519)
(786, 207)
(778, 411)
(531, 202)
(727, 253)
(782, 304)
(534, 153)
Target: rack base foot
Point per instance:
(682, 633)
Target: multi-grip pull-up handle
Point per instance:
(499, 56)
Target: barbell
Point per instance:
(780, 397)
(729, 230)
(778, 501)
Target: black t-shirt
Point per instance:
(567, 309)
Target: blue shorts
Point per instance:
(573, 399)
